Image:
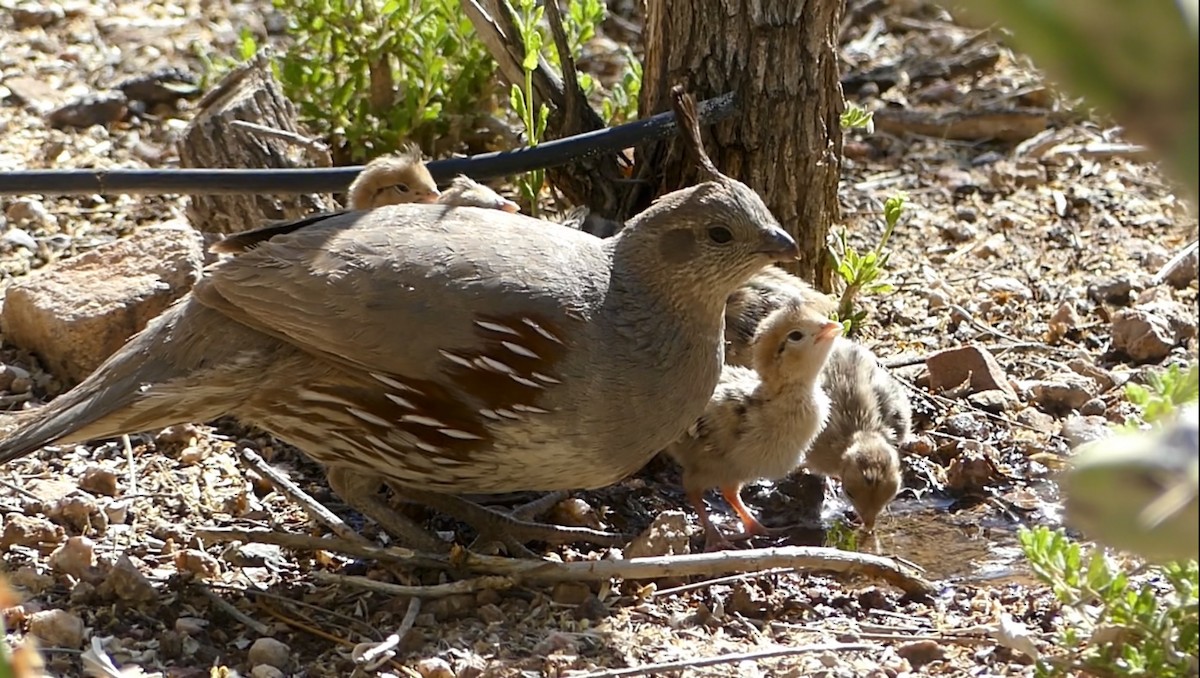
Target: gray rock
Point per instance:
(969, 364)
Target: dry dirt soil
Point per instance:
(1028, 230)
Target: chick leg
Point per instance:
(732, 494)
(714, 540)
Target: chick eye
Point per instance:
(719, 234)
(795, 335)
(401, 188)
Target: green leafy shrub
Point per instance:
(1110, 624)
(377, 73)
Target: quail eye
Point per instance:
(719, 234)
(401, 188)
(795, 335)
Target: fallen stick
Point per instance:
(731, 658)
(335, 179)
(811, 558)
(430, 591)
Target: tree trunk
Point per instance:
(785, 141)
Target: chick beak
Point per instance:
(779, 245)
(430, 197)
(510, 206)
(830, 330)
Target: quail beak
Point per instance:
(830, 330)
(779, 245)
(510, 206)
(430, 197)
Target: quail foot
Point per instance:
(459, 351)
(759, 422)
(869, 418)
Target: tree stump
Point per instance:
(252, 94)
(785, 142)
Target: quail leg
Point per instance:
(360, 491)
(752, 527)
(506, 528)
(714, 540)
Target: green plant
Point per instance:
(1163, 393)
(1111, 623)
(521, 97)
(381, 72)
(863, 273)
(857, 117)
(840, 535)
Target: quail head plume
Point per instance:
(460, 351)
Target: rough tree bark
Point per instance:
(785, 141)
(251, 94)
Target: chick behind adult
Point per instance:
(871, 417)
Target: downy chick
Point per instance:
(746, 308)
(393, 180)
(466, 192)
(759, 421)
(869, 417)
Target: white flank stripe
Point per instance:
(520, 350)
(461, 435)
(495, 365)
(497, 327)
(508, 414)
(541, 330)
(455, 358)
(490, 414)
(398, 385)
(546, 378)
(400, 401)
(428, 448)
(526, 382)
(306, 394)
(368, 417)
(422, 419)
(530, 408)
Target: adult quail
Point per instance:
(869, 418)
(448, 350)
(759, 421)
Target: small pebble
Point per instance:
(270, 652)
(435, 667)
(57, 628)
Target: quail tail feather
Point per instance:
(170, 372)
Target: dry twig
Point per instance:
(703, 564)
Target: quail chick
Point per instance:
(745, 309)
(870, 416)
(759, 422)
(393, 180)
(466, 192)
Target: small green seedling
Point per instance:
(864, 273)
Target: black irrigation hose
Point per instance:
(325, 180)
